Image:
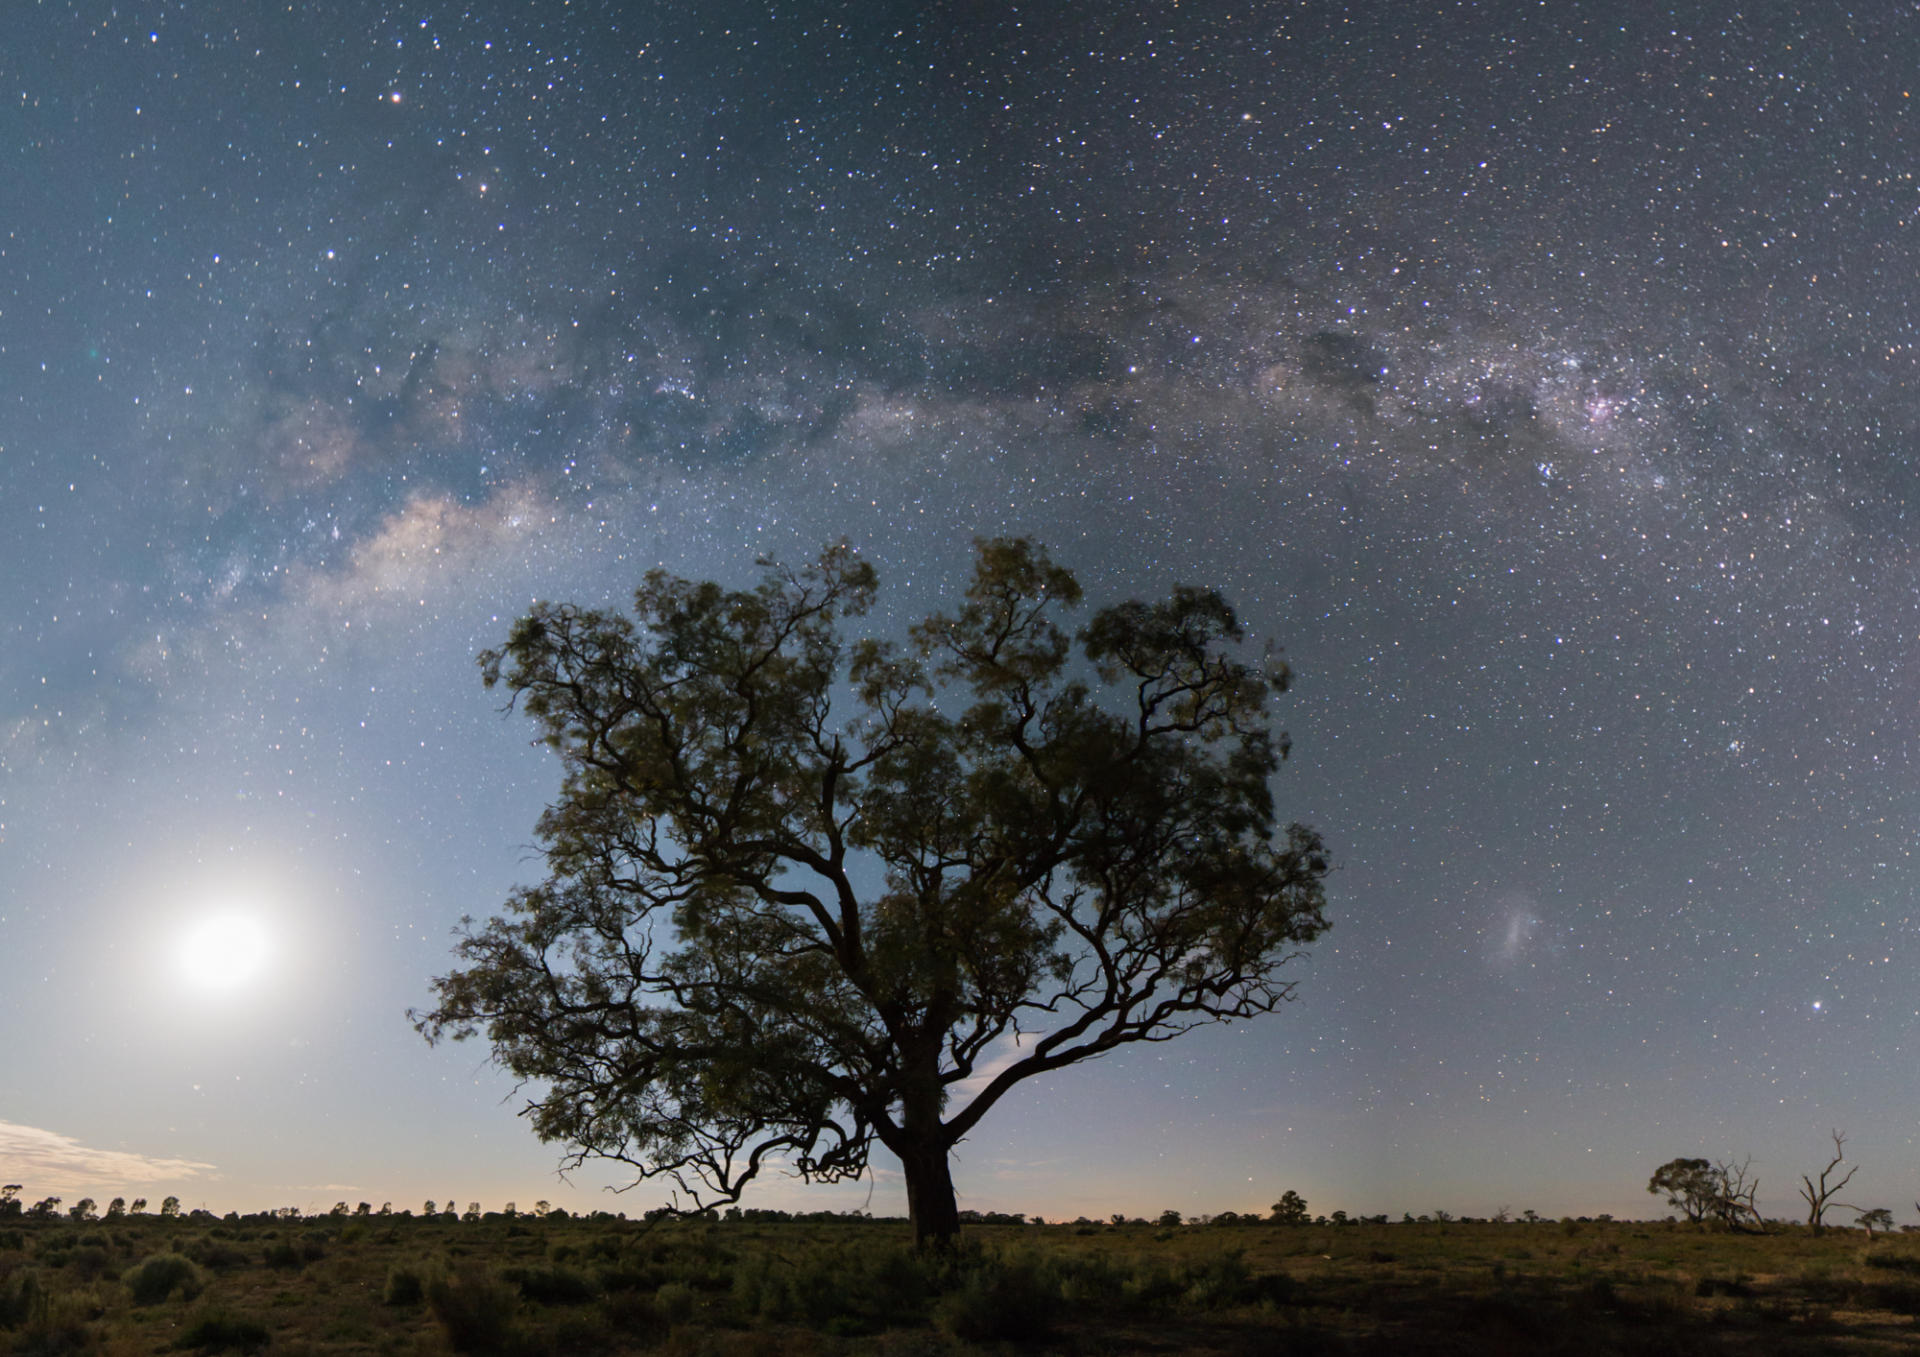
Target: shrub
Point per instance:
(675, 1302)
(1892, 1260)
(632, 1313)
(552, 1285)
(220, 1332)
(403, 1287)
(158, 1277)
(20, 1298)
(475, 1309)
(1003, 1299)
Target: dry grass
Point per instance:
(526, 1288)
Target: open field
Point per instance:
(525, 1287)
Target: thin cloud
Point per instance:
(44, 1160)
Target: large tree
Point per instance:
(767, 935)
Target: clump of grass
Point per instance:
(475, 1309)
(220, 1332)
(161, 1276)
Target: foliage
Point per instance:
(475, 1309)
(161, 1276)
(1291, 1209)
(20, 1298)
(1690, 1185)
(222, 1333)
(1015, 1299)
(1076, 854)
(403, 1287)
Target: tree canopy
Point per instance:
(770, 936)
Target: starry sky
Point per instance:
(1542, 377)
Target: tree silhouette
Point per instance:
(1819, 1197)
(1291, 1209)
(769, 936)
(1690, 1185)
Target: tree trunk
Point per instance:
(930, 1200)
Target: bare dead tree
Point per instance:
(1820, 1197)
(1735, 1188)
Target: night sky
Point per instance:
(1542, 377)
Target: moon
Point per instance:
(224, 952)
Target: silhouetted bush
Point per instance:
(20, 1297)
(403, 1287)
(636, 1315)
(1014, 1299)
(221, 1257)
(552, 1285)
(675, 1301)
(160, 1276)
(221, 1332)
(475, 1310)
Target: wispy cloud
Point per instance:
(48, 1161)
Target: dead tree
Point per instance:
(1735, 1188)
(1820, 1197)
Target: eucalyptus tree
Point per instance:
(773, 935)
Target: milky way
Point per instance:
(1542, 378)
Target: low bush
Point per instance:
(223, 1333)
(20, 1298)
(403, 1287)
(552, 1285)
(161, 1276)
(1004, 1299)
(475, 1309)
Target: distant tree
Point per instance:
(1169, 1219)
(1739, 1188)
(83, 1210)
(1819, 1197)
(9, 1200)
(386, 1209)
(1117, 1218)
(1879, 1218)
(1291, 1209)
(1338, 1218)
(47, 1208)
(339, 1209)
(542, 1209)
(1531, 1216)
(1503, 1216)
(473, 1212)
(1073, 855)
(428, 1210)
(363, 1209)
(509, 1210)
(1690, 1185)
(170, 1207)
(139, 1207)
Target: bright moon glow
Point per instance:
(224, 952)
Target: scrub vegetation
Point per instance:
(761, 1283)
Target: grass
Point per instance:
(518, 1287)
